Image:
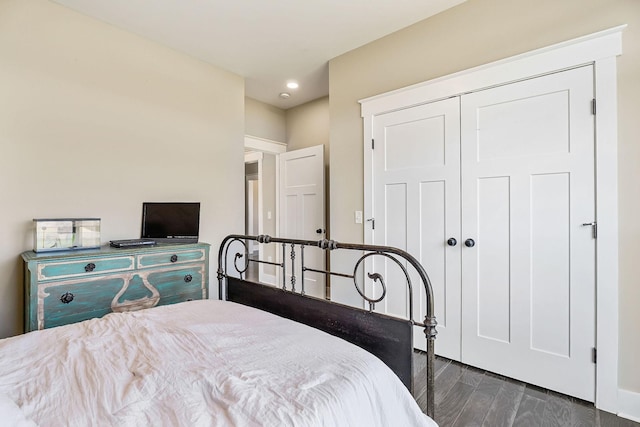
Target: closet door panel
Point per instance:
(493, 284)
(416, 200)
(550, 261)
(528, 285)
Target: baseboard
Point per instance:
(629, 405)
(269, 278)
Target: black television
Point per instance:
(171, 222)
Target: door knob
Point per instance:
(319, 231)
(469, 243)
(452, 242)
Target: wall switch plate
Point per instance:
(268, 214)
(358, 217)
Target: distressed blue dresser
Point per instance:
(68, 287)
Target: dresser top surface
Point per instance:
(107, 250)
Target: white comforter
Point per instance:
(201, 363)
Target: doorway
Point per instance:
(261, 163)
(253, 202)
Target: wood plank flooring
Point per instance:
(468, 397)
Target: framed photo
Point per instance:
(63, 234)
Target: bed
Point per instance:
(240, 361)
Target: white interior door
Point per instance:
(302, 214)
(416, 198)
(527, 188)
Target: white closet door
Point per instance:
(527, 188)
(416, 205)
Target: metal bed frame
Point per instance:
(328, 314)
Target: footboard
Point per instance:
(388, 338)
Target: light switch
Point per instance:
(358, 217)
(268, 214)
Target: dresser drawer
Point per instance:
(177, 281)
(65, 269)
(82, 298)
(170, 258)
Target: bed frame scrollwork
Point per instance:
(380, 334)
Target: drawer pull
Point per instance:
(174, 258)
(89, 267)
(66, 298)
(188, 278)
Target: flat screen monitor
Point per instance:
(171, 222)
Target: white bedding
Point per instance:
(200, 363)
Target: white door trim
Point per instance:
(265, 145)
(580, 51)
(601, 50)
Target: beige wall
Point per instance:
(264, 120)
(475, 33)
(308, 125)
(94, 121)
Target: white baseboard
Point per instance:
(269, 278)
(629, 405)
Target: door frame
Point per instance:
(255, 148)
(599, 49)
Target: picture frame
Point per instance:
(63, 234)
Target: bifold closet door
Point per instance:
(416, 198)
(528, 283)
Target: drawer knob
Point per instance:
(89, 267)
(188, 278)
(174, 258)
(66, 298)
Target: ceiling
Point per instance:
(268, 42)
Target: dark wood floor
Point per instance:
(466, 396)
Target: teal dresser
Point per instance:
(68, 287)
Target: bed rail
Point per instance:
(241, 263)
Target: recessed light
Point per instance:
(292, 85)
(285, 95)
